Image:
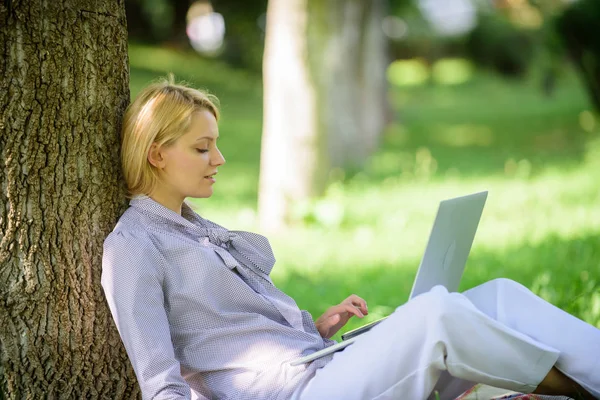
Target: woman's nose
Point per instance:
(218, 159)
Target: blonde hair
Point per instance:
(161, 114)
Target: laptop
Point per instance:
(443, 262)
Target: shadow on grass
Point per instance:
(565, 272)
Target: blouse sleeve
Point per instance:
(132, 283)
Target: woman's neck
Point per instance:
(171, 202)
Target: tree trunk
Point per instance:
(294, 162)
(325, 97)
(376, 110)
(63, 90)
(349, 59)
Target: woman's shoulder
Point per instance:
(129, 249)
(129, 230)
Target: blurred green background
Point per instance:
(499, 106)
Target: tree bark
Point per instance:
(63, 89)
(325, 97)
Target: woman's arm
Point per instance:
(132, 282)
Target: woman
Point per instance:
(200, 317)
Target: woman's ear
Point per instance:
(155, 156)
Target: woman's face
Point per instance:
(187, 167)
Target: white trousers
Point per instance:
(498, 333)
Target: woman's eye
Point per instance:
(202, 150)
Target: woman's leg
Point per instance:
(404, 356)
(516, 307)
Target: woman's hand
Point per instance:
(337, 316)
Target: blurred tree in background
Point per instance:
(325, 102)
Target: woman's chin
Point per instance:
(204, 193)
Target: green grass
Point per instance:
(540, 226)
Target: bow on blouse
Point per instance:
(253, 252)
(254, 249)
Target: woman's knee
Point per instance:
(440, 306)
(491, 297)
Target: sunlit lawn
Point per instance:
(538, 156)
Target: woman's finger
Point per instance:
(353, 298)
(340, 308)
(358, 302)
(365, 309)
(354, 310)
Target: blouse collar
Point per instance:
(151, 207)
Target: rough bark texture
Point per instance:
(63, 89)
(325, 97)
